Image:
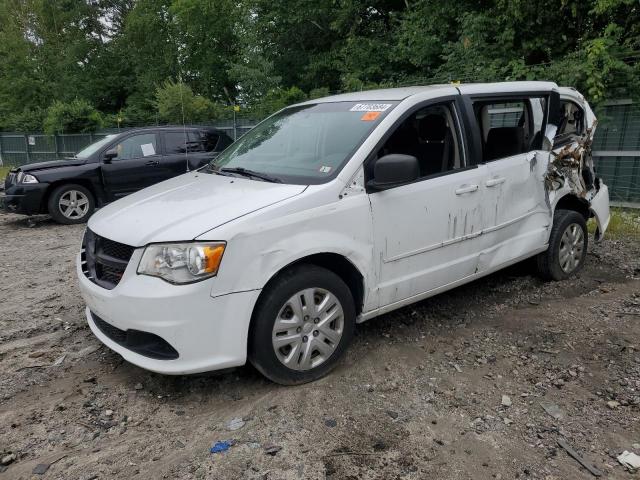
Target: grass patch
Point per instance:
(625, 222)
(3, 172)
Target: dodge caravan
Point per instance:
(337, 210)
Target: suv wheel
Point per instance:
(302, 325)
(567, 246)
(70, 204)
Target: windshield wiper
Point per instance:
(245, 172)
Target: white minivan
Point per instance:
(337, 210)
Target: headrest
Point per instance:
(504, 142)
(432, 128)
(506, 135)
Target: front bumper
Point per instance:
(208, 333)
(24, 199)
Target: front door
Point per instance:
(426, 232)
(137, 165)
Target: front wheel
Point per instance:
(567, 246)
(70, 204)
(302, 325)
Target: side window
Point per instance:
(209, 140)
(175, 142)
(571, 121)
(431, 135)
(510, 127)
(196, 142)
(137, 146)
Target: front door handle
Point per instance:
(153, 162)
(495, 181)
(462, 189)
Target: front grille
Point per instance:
(143, 343)
(116, 250)
(108, 274)
(104, 261)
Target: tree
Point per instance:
(208, 45)
(262, 54)
(77, 116)
(176, 103)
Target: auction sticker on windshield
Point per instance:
(371, 107)
(370, 116)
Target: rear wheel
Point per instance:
(567, 246)
(303, 323)
(70, 204)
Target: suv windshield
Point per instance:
(308, 144)
(94, 147)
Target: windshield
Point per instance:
(304, 145)
(94, 147)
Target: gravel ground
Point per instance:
(454, 387)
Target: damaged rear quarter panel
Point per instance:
(569, 162)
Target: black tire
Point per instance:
(55, 208)
(549, 264)
(261, 351)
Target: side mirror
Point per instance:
(110, 155)
(394, 170)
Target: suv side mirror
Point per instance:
(110, 155)
(393, 170)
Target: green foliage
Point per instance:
(77, 116)
(277, 99)
(319, 93)
(27, 120)
(4, 171)
(176, 103)
(265, 54)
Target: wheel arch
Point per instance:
(334, 262)
(570, 201)
(53, 185)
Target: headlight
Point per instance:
(182, 262)
(27, 178)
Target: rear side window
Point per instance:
(175, 142)
(208, 140)
(510, 127)
(191, 141)
(571, 121)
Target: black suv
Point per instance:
(108, 169)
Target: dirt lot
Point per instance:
(420, 394)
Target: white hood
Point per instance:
(185, 207)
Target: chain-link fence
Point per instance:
(616, 150)
(20, 148)
(616, 147)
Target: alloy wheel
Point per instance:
(571, 247)
(308, 329)
(73, 204)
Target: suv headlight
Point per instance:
(25, 178)
(29, 178)
(182, 262)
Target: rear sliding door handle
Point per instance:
(495, 181)
(153, 162)
(462, 189)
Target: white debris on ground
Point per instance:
(629, 460)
